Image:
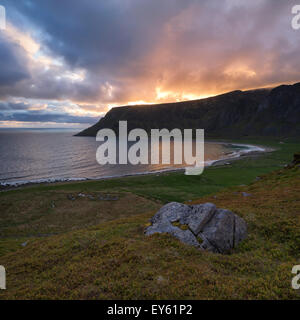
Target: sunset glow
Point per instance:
(75, 70)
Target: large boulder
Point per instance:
(203, 226)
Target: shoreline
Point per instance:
(252, 151)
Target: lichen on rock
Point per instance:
(203, 226)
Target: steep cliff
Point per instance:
(261, 112)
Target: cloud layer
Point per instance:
(79, 58)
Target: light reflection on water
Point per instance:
(32, 155)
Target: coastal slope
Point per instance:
(262, 112)
(76, 249)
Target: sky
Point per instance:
(66, 63)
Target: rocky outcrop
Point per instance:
(203, 226)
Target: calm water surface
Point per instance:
(41, 155)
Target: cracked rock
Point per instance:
(208, 228)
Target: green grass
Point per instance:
(109, 257)
(47, 213)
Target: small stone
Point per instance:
(160, 279)
(113, 198)
(24, 244)
(71, 197)
(245, 194)
(107, 197)
(81, 195)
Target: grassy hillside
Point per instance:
(95, 249)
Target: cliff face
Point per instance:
(262, 112)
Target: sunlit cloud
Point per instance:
(133, 53)
(23, 39)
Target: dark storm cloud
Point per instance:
(13, 106)
(42, 112)
(101, 34)
(32, 116)
(149, 50)
(12, 63)
(109, 39)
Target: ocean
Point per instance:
(50, 155)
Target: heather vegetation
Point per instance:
(56, 244)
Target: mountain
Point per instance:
(261, 112)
